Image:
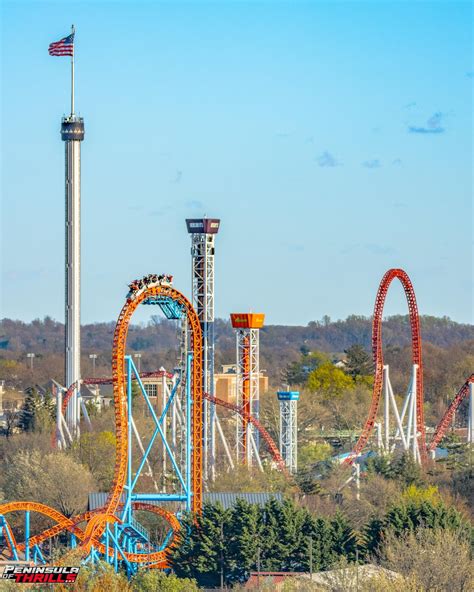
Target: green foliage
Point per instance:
(91, 450)
(298, 372)
(402, 468)
(417, 495)
(359, 363)
(202, 551)
(329, 381)
(38, 411)
(158, 581)
(412, 515)
(313, 452)
(277, 537)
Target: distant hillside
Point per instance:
(446, 342)
(47, 335)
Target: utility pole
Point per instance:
(258, 567)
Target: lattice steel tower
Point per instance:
(72, 133)
(289, 428)
(203, 232)
(247, 327)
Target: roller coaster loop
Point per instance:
(377, 353)
(133, 546)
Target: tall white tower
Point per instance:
(203, 232)
(72, 133)
(289, 428)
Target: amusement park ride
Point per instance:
(187, 426)
(113, 533)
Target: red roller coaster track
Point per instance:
(377, 353)
(272, 447)
(447, 418)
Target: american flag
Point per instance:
(63, 47)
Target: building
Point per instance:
(225, 383)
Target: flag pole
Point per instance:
(72, 73)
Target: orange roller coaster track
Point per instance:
(95, 530)
(71, 525)
(96, 522)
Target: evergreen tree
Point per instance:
(244, 530)
(37, 412)
(344, 537)
(201, 551)
(359, 363)
(323, 546)
(408, 517)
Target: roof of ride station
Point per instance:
(227, 499)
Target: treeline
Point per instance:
(224, 546)
(47, 335)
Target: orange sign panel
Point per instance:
(243, 320)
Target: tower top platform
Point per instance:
(288, 395)
(72, 128)
(203, 225)
(244, 320)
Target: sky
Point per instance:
(333, 139)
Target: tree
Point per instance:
(358, 362)
(407, 517)
(54, 479)
(329, 381)
(439, 560)
(38, 412)
(201, 551)
(11, 419)
(298, 372)
(158, 581)
(344, 537)
(313, 452)
(97, 452)
(244, 539)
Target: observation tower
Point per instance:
(247, 326)
(203, 232)
(72, 134)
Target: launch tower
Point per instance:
(72, 134)
(203, 232)
(247, 326)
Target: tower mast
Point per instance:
(203, 232)
(72, 134)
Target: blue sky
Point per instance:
(334, 140)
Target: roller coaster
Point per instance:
(418, 422)
(113, 532)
